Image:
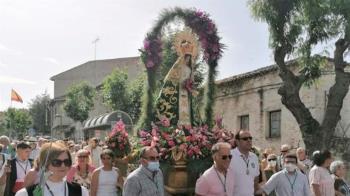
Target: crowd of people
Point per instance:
(87, 168)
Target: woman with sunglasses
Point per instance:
(81, 172)
(105, 179)
(56, 161)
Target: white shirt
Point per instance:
(288, 185)
(243, 182)
(107, 182)
(57, 189)
(23, 168)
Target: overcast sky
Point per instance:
(41, 38)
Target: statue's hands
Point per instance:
(195, 93)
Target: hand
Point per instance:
(7, 169)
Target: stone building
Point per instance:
(93, 72)
(250, 101)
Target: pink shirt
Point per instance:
(209, 184)
(74, 169)
(322, 177)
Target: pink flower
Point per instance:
(143, 133)
(165, 122)
(183, 146)
(171, 143)
(196, 149)
(150, 64)
(146, 44)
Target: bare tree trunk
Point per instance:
(290, 98)
(337, 93)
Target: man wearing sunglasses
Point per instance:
(285, 148)
(147, 180)
(288, 182)
(217, 181)
(245, 165)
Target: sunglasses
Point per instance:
(246, 138)
(284, 151)
(271, 159)
(151, 158)
(224, 157)
(58, 162)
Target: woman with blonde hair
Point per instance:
(81, 172)
(55, 160)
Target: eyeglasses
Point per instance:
(272, 159)
(58, 162)
(224, 157)
(246, 138)
(284, 151)
(83, 157)
(151, 158)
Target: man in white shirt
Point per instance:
(244, 165)
(288, 182)
(20, 166)
(95, 152)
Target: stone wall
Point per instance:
(256, 94)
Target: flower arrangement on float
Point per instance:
(118, 140)
(195, 142)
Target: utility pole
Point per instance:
(95, 42)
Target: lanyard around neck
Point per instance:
(222, 182)
(290, 182)
(21, 166)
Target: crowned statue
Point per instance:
(175, 98)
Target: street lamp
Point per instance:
(59, 116)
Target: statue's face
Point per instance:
(186, 47)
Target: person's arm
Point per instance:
(29, 179)
(94, 183)
(3, 178)
(270, 185)
(316, 189)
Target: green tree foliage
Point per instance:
(296, 27)
(18, 121)
(136, 93)
(114, 89)
(38, 111)
(79, 101)
(120, 94)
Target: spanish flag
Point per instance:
(15, 96)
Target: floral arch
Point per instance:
(200, 23)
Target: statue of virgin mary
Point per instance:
(175, 98)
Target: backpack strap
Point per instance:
(74, 189)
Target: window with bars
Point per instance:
(275, 124)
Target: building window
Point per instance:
(275, 124)
(244, 122)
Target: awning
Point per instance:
(105, 121)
